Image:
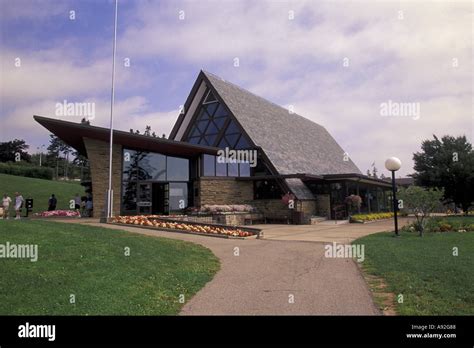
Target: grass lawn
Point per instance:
(90, 263)
(424, 270)
(40, 190)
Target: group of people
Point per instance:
(82, 204)
(6, 201)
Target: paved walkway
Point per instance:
(327, 231)
(269, 277)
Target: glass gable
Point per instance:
(208, 128)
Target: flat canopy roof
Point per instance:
(331, 177)
(74, 133)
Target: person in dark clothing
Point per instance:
(52, 203)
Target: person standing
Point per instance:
(52, 203)
(18, 204)
(77, 202)
(6, 205)
(89, 207)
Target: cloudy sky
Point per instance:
(334, 62)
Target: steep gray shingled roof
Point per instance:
(293, 143)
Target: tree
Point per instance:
(83, 163)
(11, 149)
(374, 172)
(447, 164)
(148, 132)
(85, 121)
(421, 202)
(56, 148)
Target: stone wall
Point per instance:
(323, 205)
(98, 155)
(308, 208)
(223, 191)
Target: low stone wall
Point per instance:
(231, 219)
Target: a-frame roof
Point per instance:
(292, 143)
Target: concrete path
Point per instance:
(273, 277)
(327, 231)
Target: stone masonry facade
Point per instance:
(98, 155)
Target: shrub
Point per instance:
(26, 170)
(444, 227)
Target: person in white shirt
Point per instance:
(6, 205)
(18, 204)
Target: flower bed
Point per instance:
(362, 218)
(155, 222)
(58, 213)
(451, 224)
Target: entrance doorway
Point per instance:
(153, 198)
(160, 198)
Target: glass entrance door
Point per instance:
(160, 199)
(144, 201)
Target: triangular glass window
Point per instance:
(220, 112)
(220, 121)
(232, 139)
(203, 115)
(210, 108)
(211, 139)
(202, 125)
(194, 140)
(195, 132)
(212, 129)
(232, 128)
(210, 98)
(242, 143)
(223, 143)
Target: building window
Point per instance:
(210, 122)
(209, 167)
(232, 169)
(154, 183)
(154, 166)
(177, 169)
(244, 169)
(221, 169)
(178, 192)
(267, 189)
(129, 196)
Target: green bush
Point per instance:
(26, 170)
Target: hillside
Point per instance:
(40, 190)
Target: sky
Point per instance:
(337, 63)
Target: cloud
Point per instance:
(400, 51)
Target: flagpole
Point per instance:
(112, 100)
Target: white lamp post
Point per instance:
(393, 164)
(40, 148)
(110, 193)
